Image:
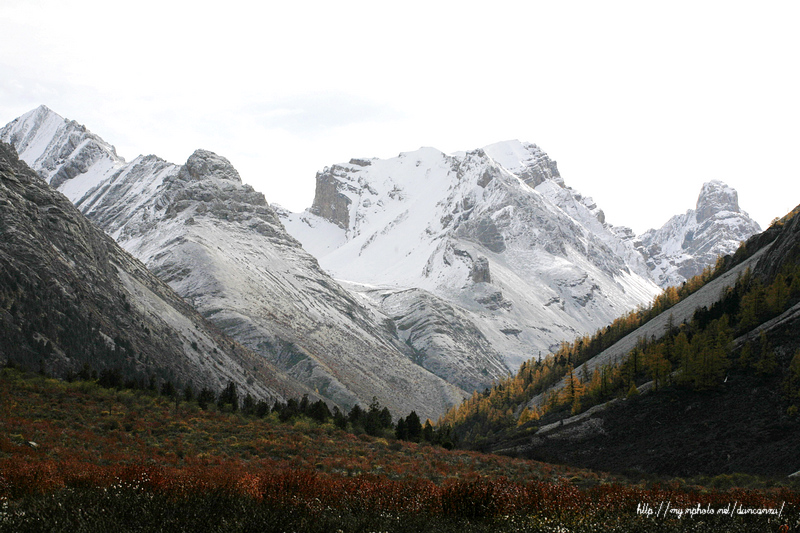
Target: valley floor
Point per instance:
(76, 457)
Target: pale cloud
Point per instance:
(317, 113)
(639, 103)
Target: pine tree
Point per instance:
(262, 408)
(709, 354)
(767, 364)
(413, 427)
(573, 390)
(777, 295)
(188, 392)
(248, 405)
(659, 367)
(527, 415)
(752, 307)
(791, 385)
(746, 356)
(304, 404)
(681, 352)
(401, 431)
(356, 418)
(167, 389)
(205, 397)
(229, 397)
(339, 420)
(319, 412)
(427, 431)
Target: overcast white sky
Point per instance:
(639, 102)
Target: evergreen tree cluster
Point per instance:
(376, 420)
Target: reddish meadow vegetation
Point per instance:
(74, 456)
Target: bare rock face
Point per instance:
(480, 271)
(329, 203)
(716, 197)
(542, 170)
(441, 337)
(485, 231)
(204, 164)
(785, 249)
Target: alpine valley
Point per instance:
(415, 280)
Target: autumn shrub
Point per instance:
(477, 498)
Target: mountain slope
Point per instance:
(220, 245)
(70, 295)
(708, 386)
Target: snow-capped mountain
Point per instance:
(220, 245)
(498, 235)
(688, 243)
(494, 232)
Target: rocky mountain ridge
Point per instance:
(688, 243)
(69, 296)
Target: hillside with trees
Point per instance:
(732, 369)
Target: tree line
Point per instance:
(374, 420)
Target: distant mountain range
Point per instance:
(415, 280)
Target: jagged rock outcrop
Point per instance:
(69, 296)
(444, 340)
(688, 243)
(329, 203)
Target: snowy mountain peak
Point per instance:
(203, 164)
(64, 153)
(218, 243)
(716, 197)
(526, 160)
(687, 243)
